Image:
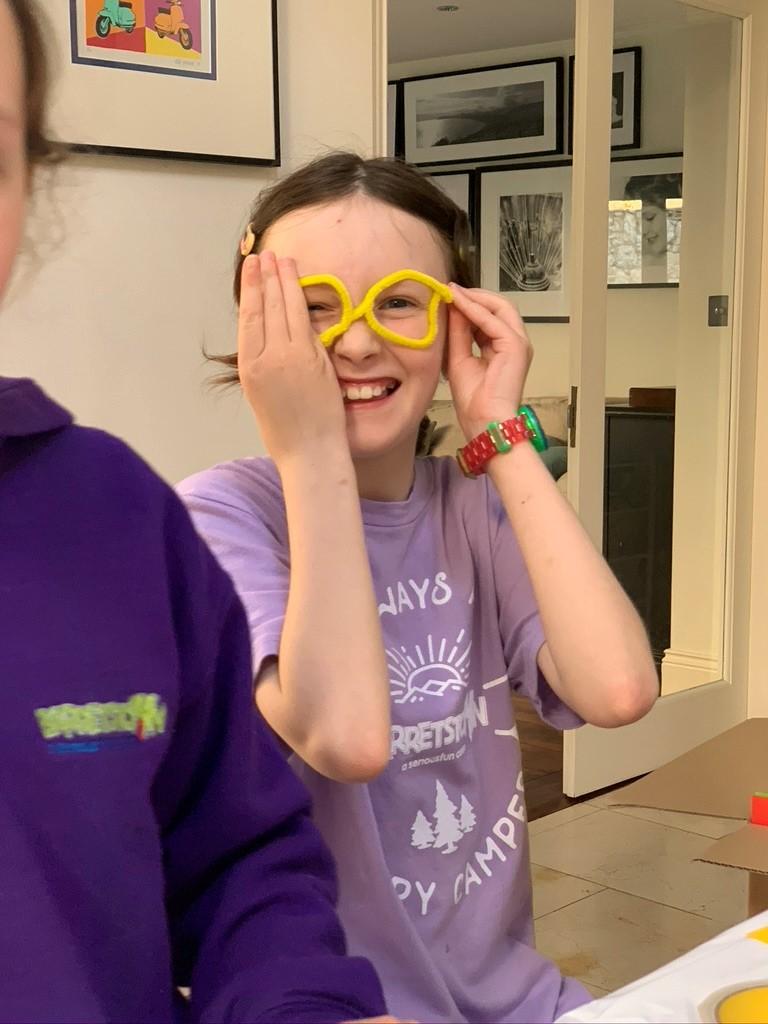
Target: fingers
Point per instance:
(275, 319)
(250, 331)
(460, 339)
(296, 312)
(489, 312)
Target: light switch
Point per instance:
(718, 311)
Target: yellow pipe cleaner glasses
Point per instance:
(350, 313)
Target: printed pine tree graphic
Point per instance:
(422, 836)
(447, 829)
(467, 819)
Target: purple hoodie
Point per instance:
(151, 835)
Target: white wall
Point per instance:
(112, 321)
(642, 323)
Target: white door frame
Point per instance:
(594, 758)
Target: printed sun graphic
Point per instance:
(442, 667)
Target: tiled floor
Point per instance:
(617, 892)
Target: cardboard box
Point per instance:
(718, 778)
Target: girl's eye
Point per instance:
(398, 302)
(323, 313)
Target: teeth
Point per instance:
(365, 392)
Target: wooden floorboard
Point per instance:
(542, 753)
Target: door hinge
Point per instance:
(571, 416)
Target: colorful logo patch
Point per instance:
(84, 728)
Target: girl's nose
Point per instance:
(358, 342)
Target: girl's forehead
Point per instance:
(357, 232)
(11, 71)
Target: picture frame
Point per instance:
(199, 61)
(391, 117)
(524, 224)
(461, 187)
(482, 114)
(395, 119)
(627, 94)
(645, 221)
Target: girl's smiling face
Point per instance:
(13, 162)
(387, 388)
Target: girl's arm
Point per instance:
(327, 695)
(596, 656)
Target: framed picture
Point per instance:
(626, 107)
(395, 119)
(511, 110)
(194, 79)
(645, 221)
(524, 222)
(391, 117)
(461, 187)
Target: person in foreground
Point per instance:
(151, 833)
(393, 602)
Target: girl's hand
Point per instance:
(285, 372)
(488, 387)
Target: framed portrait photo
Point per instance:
(194, 79)
(645, 220)
(626, 99)
(511, 110)
(524, 221)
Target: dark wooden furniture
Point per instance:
(637, 512)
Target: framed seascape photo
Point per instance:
(626, 99)
(173, 78)
(645, 222)
(524, 220)
(511, 110)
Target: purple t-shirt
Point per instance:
(433, 855)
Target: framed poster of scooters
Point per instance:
(193, 79)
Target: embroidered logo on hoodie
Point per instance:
(141, 717)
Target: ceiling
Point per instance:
(418, 30)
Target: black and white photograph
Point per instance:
(645, 222)
(471, 116)
(531, 243)
(524, 218)
(626, 95)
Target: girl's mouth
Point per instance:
(367, 392)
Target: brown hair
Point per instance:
(32, 36)
(341, 174)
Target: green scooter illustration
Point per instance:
(115, 14)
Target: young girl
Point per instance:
(150, 833)
(478, 585)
